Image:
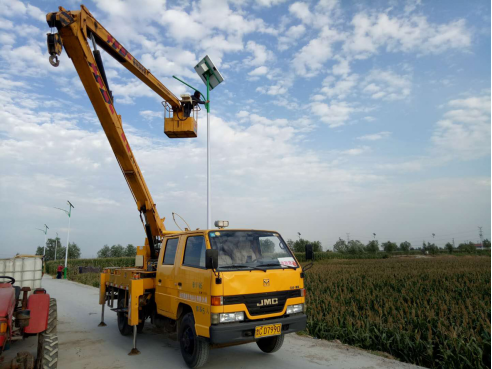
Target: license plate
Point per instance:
(268, 330)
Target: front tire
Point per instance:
(47, 351)
(193, 349)
(270, 345)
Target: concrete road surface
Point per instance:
(84, 345)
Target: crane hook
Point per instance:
(54, 60)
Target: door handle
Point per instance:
(179, 284)
(160, 280)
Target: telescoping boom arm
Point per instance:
(75, 28)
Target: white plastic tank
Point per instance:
(26, 269)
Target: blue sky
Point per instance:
(334, 118)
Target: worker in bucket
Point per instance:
(195, 99)
(59, 271)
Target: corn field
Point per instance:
(433, 312)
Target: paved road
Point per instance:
(84, 345)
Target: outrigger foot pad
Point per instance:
(102, 324)
(133, 352)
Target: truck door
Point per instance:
(193, 282)
(165, 292)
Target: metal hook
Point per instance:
(54, 60)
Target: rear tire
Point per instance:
(193, 349)
(270, 345)
(123, 326)
(47, 351)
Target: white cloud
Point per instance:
(269, 3)
(464, 132)
(406, 34)
(151, 115)
(375, 136)
(291, 37)
(260, 71)
(341, 88)
(335, 114)
(311, 58)
(261, 54)
(342, 68)
(356, 151)
(387, 85)
(11, 8)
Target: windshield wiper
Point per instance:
(243, 266)
(278, 264)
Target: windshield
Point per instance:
(251, 249)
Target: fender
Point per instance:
(39, 304)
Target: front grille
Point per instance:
(251, 301)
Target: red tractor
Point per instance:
(24, 316)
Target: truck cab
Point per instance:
(214, 288)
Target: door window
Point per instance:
(170, 252)
(195, 252)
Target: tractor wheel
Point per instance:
(52, 318)
(47, 351)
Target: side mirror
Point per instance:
(309, 252)
(211, 259)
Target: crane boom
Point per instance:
(74, 30)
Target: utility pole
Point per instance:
(481, 236)
(348, 237)
(299, 233)
(374, 234)
(453, 243)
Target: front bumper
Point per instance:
(245, 331)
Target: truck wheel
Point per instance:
(270, 344)
(47, 351)
(52, 318)
(123, 326)
(194, 349)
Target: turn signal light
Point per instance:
(303, 292)
(3, 327)
(217, 300)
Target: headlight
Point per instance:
(228, 317)
(294, 309)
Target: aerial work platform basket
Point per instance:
(178, 124)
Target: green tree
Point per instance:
(105, 252)
(130, 250)
(117, 251)
(430, 248)
(300, 245)
(51, 244)
(290, 243)
(449, 247)
(405, 246)
(389, 246)
(340, 246)
(486, 243)
(355, 247)
(372, 246)
(267, 246)
(73, 251)
(468, 247)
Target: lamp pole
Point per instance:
(45, 231)
(69, 213)
(211, 77)
(56, 244)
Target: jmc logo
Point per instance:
(266, 302)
